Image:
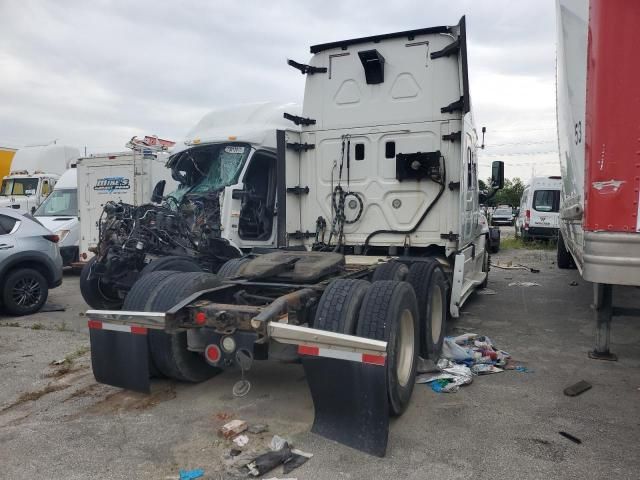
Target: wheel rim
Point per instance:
(406, 350)
(27, 292)
(436, 314)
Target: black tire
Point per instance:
(390, 271)
(24, 292)
(486, 267)
(232, 268)
(95, 292)
(173, 263)
(169, 351)
(564, 258)
(389, 312)
(427, 279)
(339, 306)
(139, 299)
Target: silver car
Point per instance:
(30, 263)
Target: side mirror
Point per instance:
(33, 210)
(482, 197)
(158, 191)
(484, 130)
(497, 175)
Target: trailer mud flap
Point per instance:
(119, 355)
(351, 403)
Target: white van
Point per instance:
(59, 213)
(539, 206)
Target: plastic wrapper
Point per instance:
(452, 351)
(485, 369)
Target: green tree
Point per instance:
(509, 195)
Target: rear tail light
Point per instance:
(52, 238)
(527, 218)
(212, 354)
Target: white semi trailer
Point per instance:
(378, 240)
(598, 96)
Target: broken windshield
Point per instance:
(207, 168)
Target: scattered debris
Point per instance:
(191, 474)
(485, 369)
(426, 365)
(531, 269)
(463, 357)
(524, 284)
(233, 428)
(571, 437)
(577, 388)
(509, 266)
(258, 428)
(574, 284)
(235, 452)
(281, 454)
(277, 443)
(241, 440)
(486, 291)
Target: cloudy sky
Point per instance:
(95, 73)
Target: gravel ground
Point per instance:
(57, 423)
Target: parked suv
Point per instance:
(502, 216)
(30, 263)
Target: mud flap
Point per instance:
(120, 357)
(351, 403)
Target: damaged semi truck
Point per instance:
(378, 239)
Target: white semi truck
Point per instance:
(598, 125)
(34, 173)
(378, 239)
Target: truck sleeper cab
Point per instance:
(378, 240)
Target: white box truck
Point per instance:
(127, 177)
(59, 213)
(34, 173)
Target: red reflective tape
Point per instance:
(96, 324)
(374, 359)
(307, 350)
(139, 330)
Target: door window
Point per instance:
(6, 224)
(546, 200)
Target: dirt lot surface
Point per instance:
(57, 423)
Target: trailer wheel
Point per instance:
(174, 263)
(169, 351)
(339, 306)
(232, 268)
(390, 271)
(96, 293)
(139, 298)
(564, 258)
(431, 288)
(389, 312)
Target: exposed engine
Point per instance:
(132, 235)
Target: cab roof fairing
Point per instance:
(255, 124)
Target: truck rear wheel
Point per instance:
(564, 258)
(174, 263)
(95, 292)
(431, 288)
(232, 268)
(389, 312)
(169, 351)
(339, 306)
(139, 298)
(390, 271)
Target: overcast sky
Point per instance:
(95, 73)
